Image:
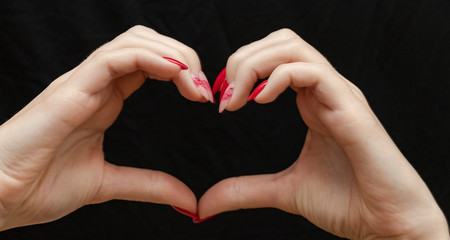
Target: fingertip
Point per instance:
(257, 90)
(226, 98)
(186, 212)
(210, 204)
(200, 220)
(187, 87)
(234, 97)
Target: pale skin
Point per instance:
(350, 179)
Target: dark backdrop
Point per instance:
(397, 52)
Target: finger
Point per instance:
(189, 53)
(243, 52)
(327, 86)
(128, 84)
(179, 54)
(194, 79)
(283, 37)
(256, 191)
(134, 184)
(244, 69)
(107, 66)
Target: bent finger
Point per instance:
(193, 83)
(244, 69)
(328, 87)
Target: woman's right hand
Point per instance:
(350, 179)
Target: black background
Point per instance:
(397, 52)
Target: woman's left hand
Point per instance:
(51, 156)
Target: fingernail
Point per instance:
(224, 86)
(186, 212)
(257, 90)
(219, 80)
(226, 97)
(182, 65)
(202, 77)
(202, 85)
(198, 220)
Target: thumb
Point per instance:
(134, 184)
(257, 191)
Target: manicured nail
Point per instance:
(182, 65)
(202, 85)
(186, 212)
(257, 90)
(224, 86)
(202, 77)
(219, 80)
(226, 97)
(198, 220)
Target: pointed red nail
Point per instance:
(219, 80)
(186, 212)
(224, 86)
(198, 220)
(226, 97)
(182, 65)
(257, 90)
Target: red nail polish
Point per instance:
(186, 212)
(219, 80)
(224, 86)
(257, 90)
(226, 97)
(182, 65)
(198, 220)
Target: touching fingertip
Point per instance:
(186, 212)
(200, 220)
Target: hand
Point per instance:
(51, 156)
(350, 179)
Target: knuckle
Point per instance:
(140, 29)
(239, 55)
(101, 55)
(190, 51)
(127, 36)
(236, 189)
(294, 44)
(281, 69)
(324, 69)
(136, 28)
(286, 33)
(234, 58)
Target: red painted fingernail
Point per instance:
(206, 85)
(224, 86)
(219, 80)
(226, 97)
(203, 87)
(186, 212)
(257, 90)
(182, 65)
(198, 220)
